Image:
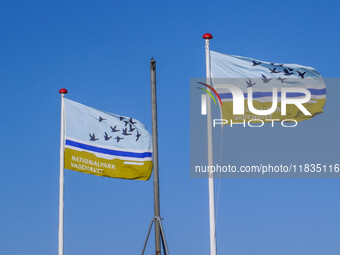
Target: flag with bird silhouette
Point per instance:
(262, 77)
(106, 144)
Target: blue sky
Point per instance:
(100, 51)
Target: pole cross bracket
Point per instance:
(165, 246)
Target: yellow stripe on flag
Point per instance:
(86, 162)
(294, 113)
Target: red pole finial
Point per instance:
(207, 36)
(63, 91)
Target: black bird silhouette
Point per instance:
(249, 83)
(256, 63)
(125, 132)
(281, 79)
(274, 70)
(138, 135)
(126, 122)
(273, 64)
(302, 75)
(131, 121)
(131, 129)
(107, 137)
(290, 69)
(101, 119)
(121, 118)
(119, 138)
(280, 65)
(114, 129)
(265, 79)
(93, 137)
(287, 73)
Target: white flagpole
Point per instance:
(212, 221)
(61, 178)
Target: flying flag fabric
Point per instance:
(262, 77)
(106, 144)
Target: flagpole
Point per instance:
(61, 178)
(155, 156)
(212, 221)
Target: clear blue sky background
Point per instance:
(100, 51)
